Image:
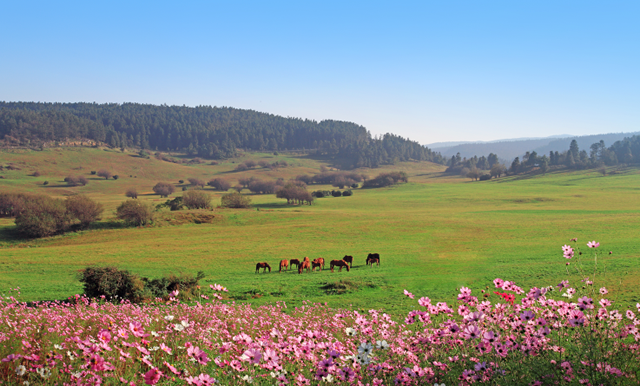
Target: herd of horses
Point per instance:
(310, 266)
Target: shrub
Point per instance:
(12, 203)
(84, 209)
(175, 204)
(111, 283)
(164, 189)
(115, 177)
(131, 193)
(135, 212)
(104, 173)
(181, 182)
(347, 193)
(45, 183)
(318, 194)
(238, 188)
(82, 180)
(354, 186)
(213, 163)
(262, 187)
(250, 164)
(196, 199)
(235, 200)
(36, 174)
(386, 179)
(336, 193)
(196, 182)
(93, 172)
(220, 184)
(242, 167)
(485, 177)
(264, 164)
(42, 216)
(184, 188)
(187, 286)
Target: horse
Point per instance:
(319, 260)
(316, 264)
(339, 263)
(373, 256)
(264, 266)
(371, 260)
(296, 262)
(284, 264)
(348, 259)
(306, 264)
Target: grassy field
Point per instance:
(434, 234)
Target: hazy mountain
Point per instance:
(509, 149)
(443, 145)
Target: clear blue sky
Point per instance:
(428, 70)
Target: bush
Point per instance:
(84, 209)
(45, 183)
(187, 285)
(354, 186)
(386, 179)
(164, 189)
(264, 164)
(336, 193)
(115, 177)
(262, 187)
(196, 182)
(135, 212)
(175, 204)
(220, 184)
(242, 167)
(11, 204)
(76, 180)
(104, 173)
(318, 194)
(235, 200)
(131, 193)
(485, 177)
(93, 172)
(347, 193)
(42, 216)
(36, 174)
(181, 182)
(250, 164)
(196, 199)
(111, 283)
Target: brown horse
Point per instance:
(373, 257)
(316, 264)
(284, 264)
(348, 259)
(264, 266)
(295, 262)
(306, 264)
(339, 263)
(319, 260)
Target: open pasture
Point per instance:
(434, 234)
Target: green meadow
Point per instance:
(434, 234)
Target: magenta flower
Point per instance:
(252, 355)
(152, 376)
(409, 294)
(593, 244)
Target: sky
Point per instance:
(431, 71)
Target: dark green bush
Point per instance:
(93, 172)
(235, 200)
(112, 283)
(336, 193)
(196, 199)
(42, 216)
(485, 177)
(347, 193)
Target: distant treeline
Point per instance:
(203, 131)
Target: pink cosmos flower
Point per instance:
(593, 244)
(252, 355)
(152, 376)
(96, 362)
(424, 301)
(603, 291)
(409, 294)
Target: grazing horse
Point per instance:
(339, 263)
(316, 264)
(371, 260)
(264, 266)
(306, 264)
(295, 262)
(373, 256)
(284, 264)
(348, 259)
(319, 260)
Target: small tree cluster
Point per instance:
(104, 173)
(76, 180)
(132, 193)
(164, 189)
(220, 184)
(135, 212)
(386, 179)
(294, 193)
(337, 179)
(84, 209)
(11, 204)
(262, 187)
(235, 200)
(196, 182)
(196, 199)
(175, 204)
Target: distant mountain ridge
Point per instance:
(440, 145)
(509, 149)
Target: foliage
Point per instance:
(84, 209)
(164, 189)
(11, 204)
(132, 193)
(386, 179)
(111, 283)
(42, 216)
(262, 186)
(196, 199)
(347, 193)
(135, 212)
(173, 205)
(220, 184)
(336, 193)
(196, 182)
(294, 193)
(235, 200)
(104, 173)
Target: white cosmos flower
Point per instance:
(57, 347)
(247, 379)
(328, 378)
(382, 344)
(350, 331)
(365, 348)
(21, 370)
(178, 327)
(168, 318)
(44, 372)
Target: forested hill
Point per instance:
(208, 132)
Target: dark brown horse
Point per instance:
(295, 262)
(284, 264)
(348, 259)
(316, 264)
(372, 260)
(306, 264)
(264, 266)
(373, 256)
(339, 263)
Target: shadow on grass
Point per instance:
(275, 206)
